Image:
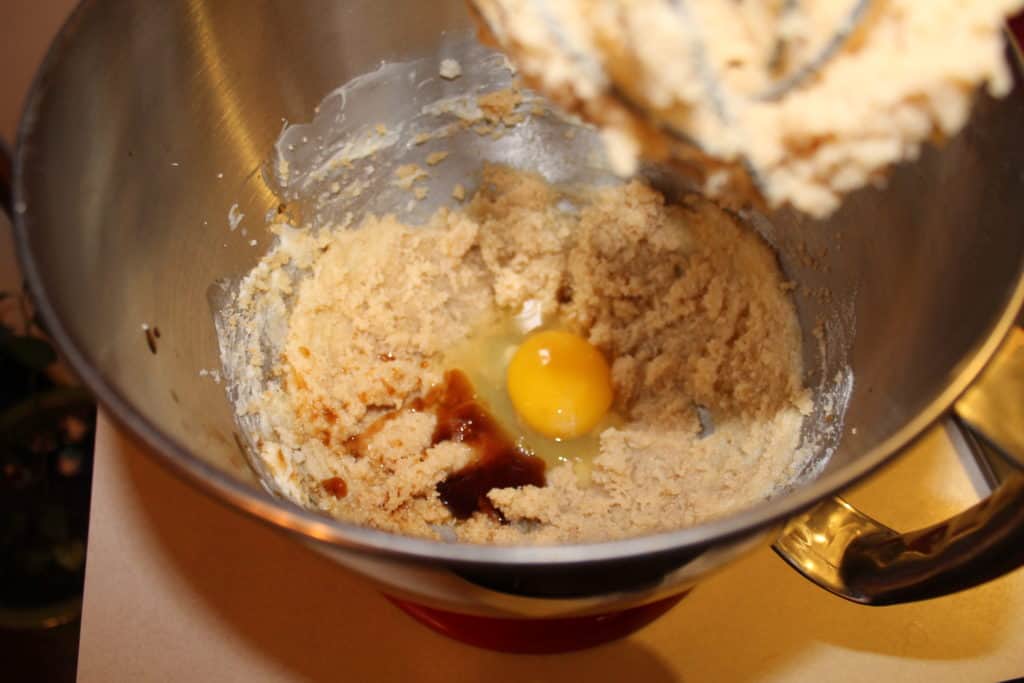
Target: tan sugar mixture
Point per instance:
(687, 305)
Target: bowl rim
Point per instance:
(288, 516)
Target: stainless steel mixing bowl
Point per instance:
(148, 120)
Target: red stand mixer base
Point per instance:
(537, 636)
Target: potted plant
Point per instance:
(47, 426)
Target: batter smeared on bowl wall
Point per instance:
(803, 102)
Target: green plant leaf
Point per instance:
(31, 352)
(53, 522)
(70, 555)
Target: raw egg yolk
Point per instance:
(560, 385)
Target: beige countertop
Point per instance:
(179, 587)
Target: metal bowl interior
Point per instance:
(148, 121)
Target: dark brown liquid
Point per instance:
(499, 463)
(335, 486)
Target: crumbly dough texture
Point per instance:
(688, 304)
(711, 70)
